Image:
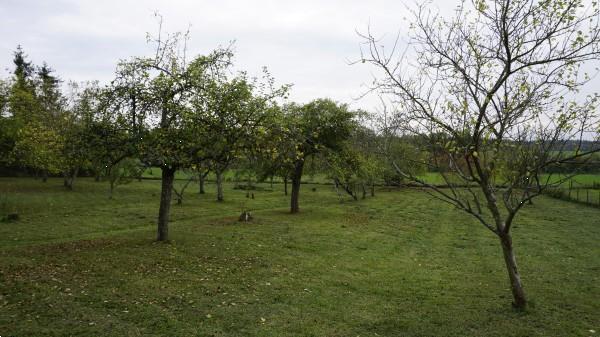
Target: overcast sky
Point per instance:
(308, 43)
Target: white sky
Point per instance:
(308, 43)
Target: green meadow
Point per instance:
(397, 264)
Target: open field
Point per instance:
(398, 264)
(434, 178)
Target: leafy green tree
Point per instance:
(344, 167)
(275, 153)
(35, 104)
(363, 164)
(4, 97)
(231, 114)
(74, 125)
(123, 172)
(8, 125)
(39, 147)
(23, 104)
(202, 169)
(48, 93)
(180, 190)
(160, 115)
(227, 114)
(21, 107)
(314, 128)
(109, 147)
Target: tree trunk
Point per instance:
(530, 202)
(70, 176)
(73, 177)
(219, 174)
(249, 183)
(201, 178)
(373, 190)
(336, 186)
(168, 175)
(364, 191)
(352, 191)
(285, 182)
(44, 176)
(112, 188)
(296, 178)
(513, 274)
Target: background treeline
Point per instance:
(113, 132)
(201, 120)
(197, 116)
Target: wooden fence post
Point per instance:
(587, 196)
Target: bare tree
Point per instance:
(493, 96)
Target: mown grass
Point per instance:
(398, 264)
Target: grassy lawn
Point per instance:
(399, 264)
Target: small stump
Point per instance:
(245, 216)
